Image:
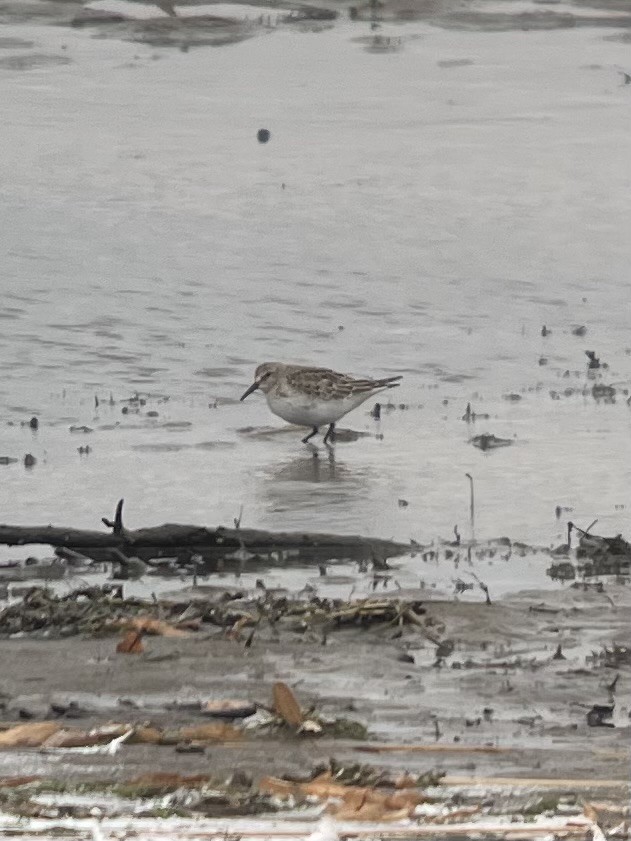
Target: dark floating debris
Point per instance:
(579, 330)
(263, 135)
(34, 423)
(545, 331)
(490, 442)
(606, 393)
(594, 362)
(470, 416)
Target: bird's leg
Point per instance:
(313, 432)
(330, 434)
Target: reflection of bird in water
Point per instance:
(313, 396)
(166, 6)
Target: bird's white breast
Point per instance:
(305, 411)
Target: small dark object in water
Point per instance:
(604, 392)
(404, 657)
(445, 649)
(558, 511)
(561, 571)
(263, 135)
(597, 715)
(490, 442)
(70, 710)
(594, 362)
(403, 503)
(376, 411)
(29, 460)
(34, 423)
(190, 747)
(626, 77)
(558, 654)
(545, 331)
(579, 330)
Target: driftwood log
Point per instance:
(173, 540)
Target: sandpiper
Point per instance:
(313, 396)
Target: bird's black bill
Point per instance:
(252, 388)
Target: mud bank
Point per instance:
(506, 689)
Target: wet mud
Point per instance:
(197, 24)
(519, 677)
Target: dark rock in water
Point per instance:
(490, 442)
(34, 423)
(29, 460)
(597, 715)
(263, 135)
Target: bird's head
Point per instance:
(265, 377)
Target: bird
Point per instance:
(312, 397)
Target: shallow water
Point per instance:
(423, 211)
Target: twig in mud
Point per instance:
(471, 505)
(587, 530)
(117, 524)
(484, 588)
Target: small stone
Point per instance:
(190, 747)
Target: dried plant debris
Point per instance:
(98, 611)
